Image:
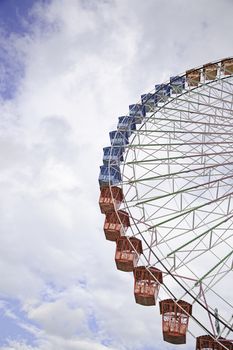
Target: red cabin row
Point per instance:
(116, 223)
(110, 199)
(175, 317)
(206, 342)
(128, 251)
(146, 285)
(210, 70)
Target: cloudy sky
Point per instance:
(68, 69)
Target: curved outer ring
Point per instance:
(109, 164)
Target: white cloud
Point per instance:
(58, 318)
(85, 62)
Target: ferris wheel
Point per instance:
(166, 188)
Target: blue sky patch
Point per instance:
(16, 21)
(92, 323)
(12, 319)
(13, 14)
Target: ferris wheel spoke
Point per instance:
(179, 172)
(169, 161)
(182, 209)
(141, 145)
(225, 301)
(190, 228)
(214, 267)
(184, 112)
(210, 98)
(170, 119)
(209, 286)
(202, 104)
(190, 124)
(188, 132)
(180, 126)
(185, 261)
(209, 247)
(191, 250)
(182, 192)
(152, 160)
(193, 112)
(165, 239)
(186, 189)
(208, 231)
(188, 211)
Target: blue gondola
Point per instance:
(162, 92)
(109, 175)
(148, 100)
(177, 84)
(126, 123)
(137, 111)
(112, 155)
(119, 138)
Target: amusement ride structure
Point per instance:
(166, 190)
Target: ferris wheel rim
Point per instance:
(110, 185)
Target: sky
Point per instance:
(68, 69)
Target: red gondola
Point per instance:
(206, 342)
(128, 251)
(146, 285)
(175, 317)
(110, 199)
(115, 224)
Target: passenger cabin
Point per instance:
(148, 100)
(210, 71)
(177, 84)
(206, 342)
(162, 92)
(115, 225)
(193, 77)
(119, 138)
(227, 66)
(175, 317)
(112, 155)
(109, 175)
(128, 251)
(146, 285)
(126, 123)
(137, 111)
(110, 199)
